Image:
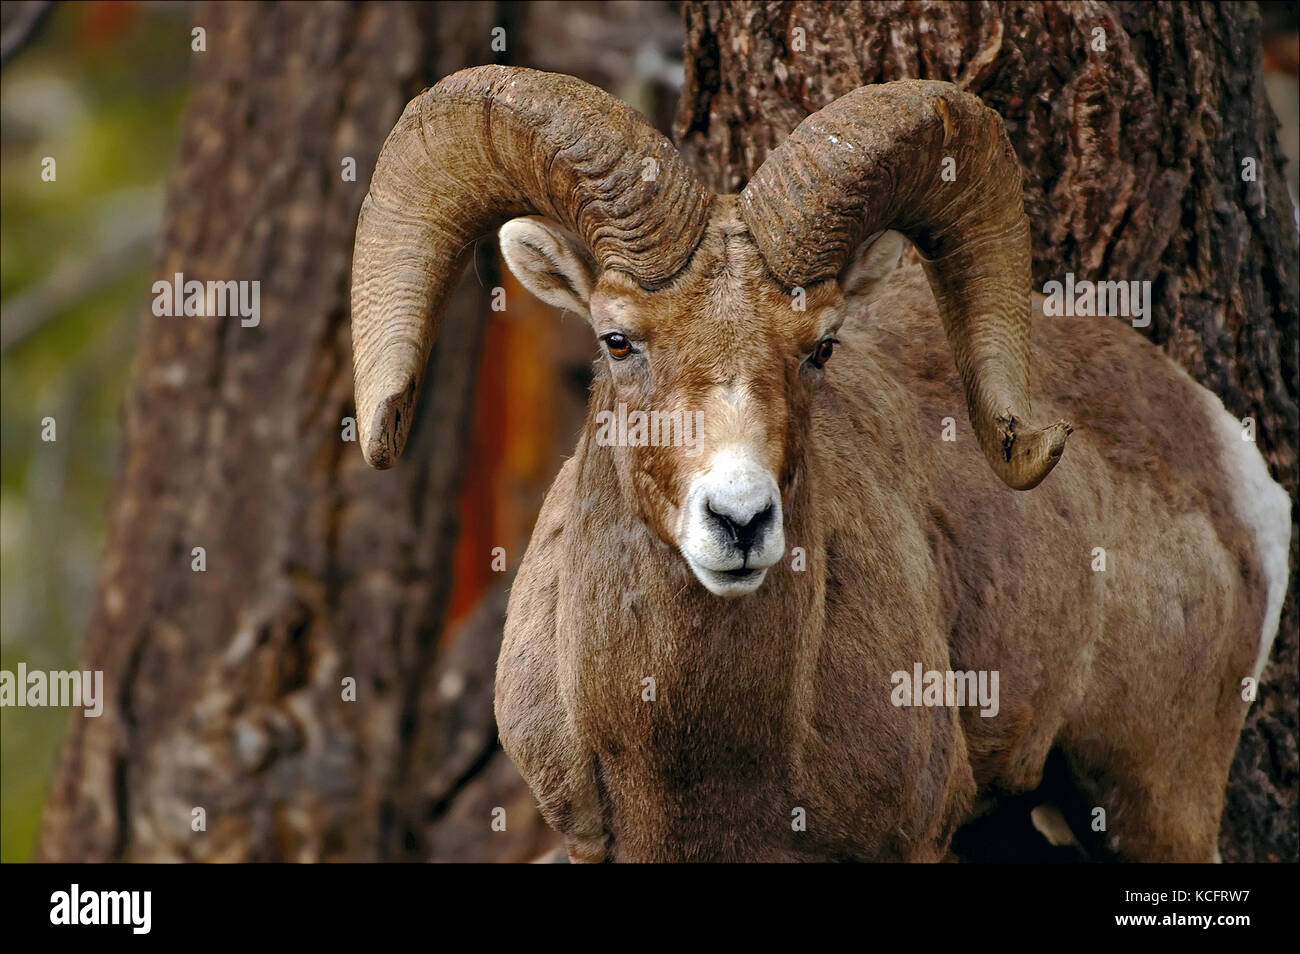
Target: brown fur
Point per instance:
(915, 552)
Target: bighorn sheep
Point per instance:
(699, 655)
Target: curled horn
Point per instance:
(872, 160)
(483, 146)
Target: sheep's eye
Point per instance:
(618, 345)
(825, 348)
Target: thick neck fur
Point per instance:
(732, 678)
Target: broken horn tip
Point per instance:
(1060, 431)
(1049, 439)
(381, 442)
(377, 456)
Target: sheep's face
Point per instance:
(705, 387)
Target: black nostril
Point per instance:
(743, 535)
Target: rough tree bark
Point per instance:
(224, 687)
(1134, 158)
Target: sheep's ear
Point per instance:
(871, 264)
(550, 262)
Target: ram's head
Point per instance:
(712, 310)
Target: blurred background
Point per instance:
(390, 583)
(100, 88)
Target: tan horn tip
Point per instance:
(383, 441)
(1029, 455)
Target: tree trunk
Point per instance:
(226, 687)
(1134, 141)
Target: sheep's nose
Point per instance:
(742, 529)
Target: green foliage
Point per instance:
(100, 90)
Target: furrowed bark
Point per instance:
(225, 687)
